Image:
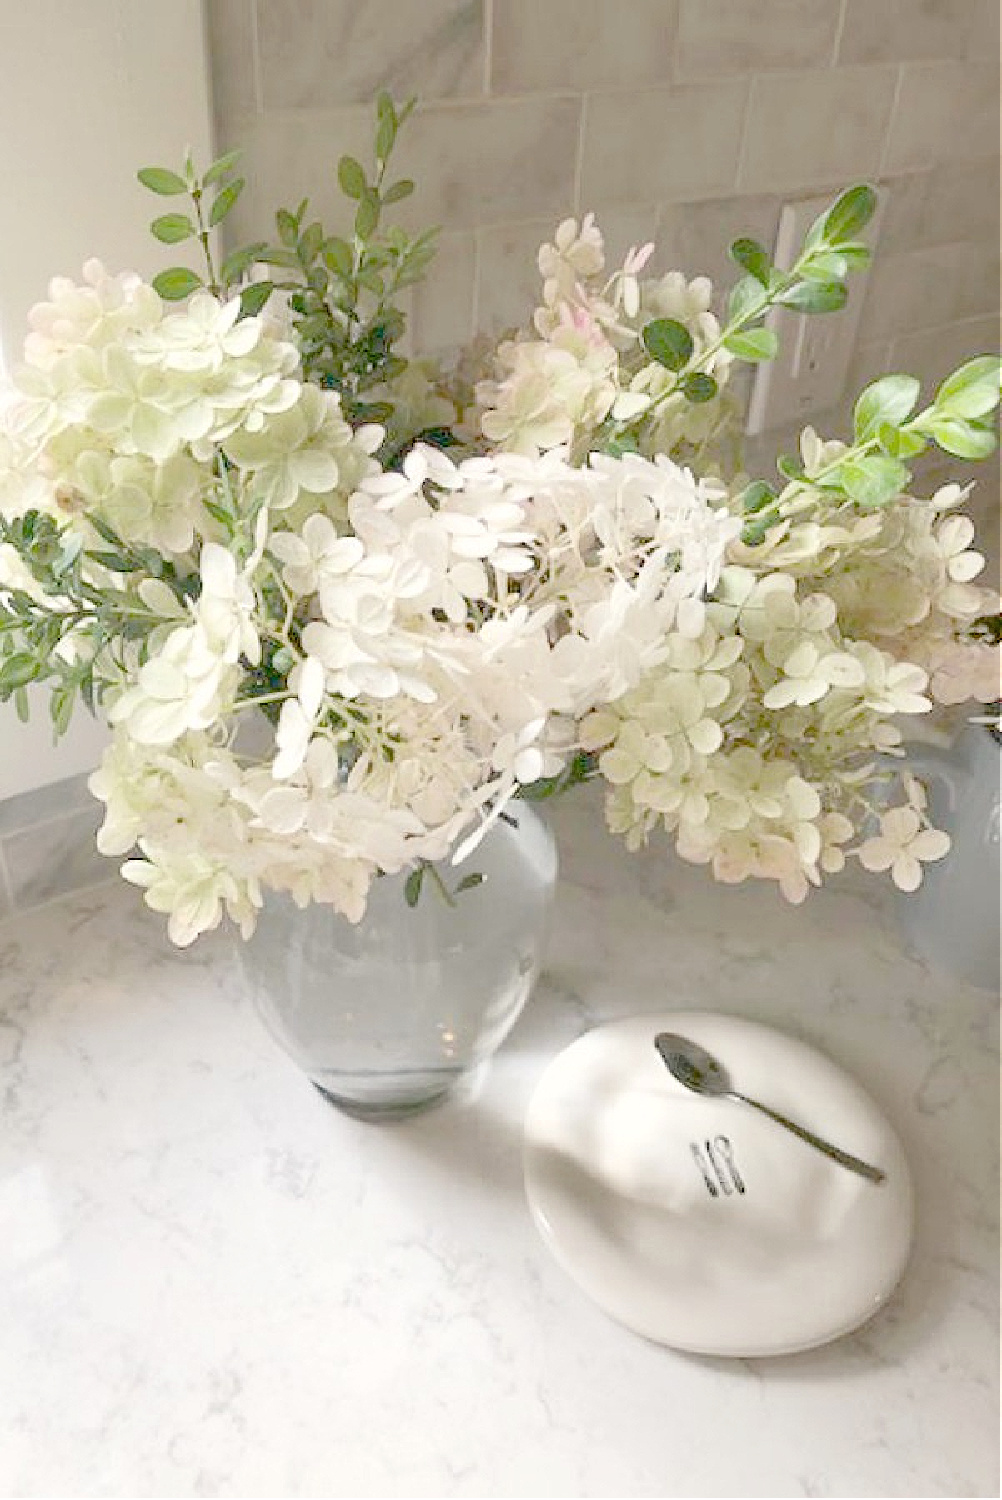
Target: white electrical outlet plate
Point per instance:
(809, 372)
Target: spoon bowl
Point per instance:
(702, 1073)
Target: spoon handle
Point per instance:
(844, 1158)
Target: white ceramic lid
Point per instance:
(698, 1222)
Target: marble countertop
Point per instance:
(213, 1283)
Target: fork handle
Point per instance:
(844, 1158)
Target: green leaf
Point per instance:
(754, 533)
(240, 261)
(107, 532)
(756, 497)
(177, 283)
(172, 228)
(113, 561)
(279, 255)
(351, 177)
(373, 282)
(288, 228)
(751, 257)
(219, 514)
(698, 387)
(973, 390)
(873, 480)
(220, 167)
(888, 400)
(412, 885)
(160, 180)
(386, 133)
(849, 213)
(469, 882)
(225, 200)
(310, 242)
(398, 190)
(856, 255)
(753, 344)
(898, 442)
(254, 297)
(825, 265)
(815, 296)
(745, 299)
(22, 705)
(963, 439)
(790, 468)
(339, 256)
(669, 342)
(366, 215)
(16, 671)
(61, 708)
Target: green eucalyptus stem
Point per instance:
(214, 285)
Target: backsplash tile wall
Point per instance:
(684, 120)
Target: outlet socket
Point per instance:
(810, 371)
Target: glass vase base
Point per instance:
(392, 1107)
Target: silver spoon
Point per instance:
(700, 1071)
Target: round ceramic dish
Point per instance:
(698, 1222)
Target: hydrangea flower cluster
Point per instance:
(586, 359)
(329, 650)
(415, 650)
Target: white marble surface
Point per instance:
(212, 1283)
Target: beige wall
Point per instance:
(686, 120)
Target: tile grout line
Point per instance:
(475, 301)
(579, 158)
(839, 31)
(255, 42)
(885, 149)
(739, 165)
(488, 47)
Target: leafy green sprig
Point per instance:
(815, 283)
(343, 292)
(102, 623)
(872, 471)
(178, 282)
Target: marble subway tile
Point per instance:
(977, 288)
(815, 130)
(933, 353)
(230, 33)
(492, 163)
(696, 235)
(329, 52)
(442, 315)
(917, 289)
(722, 36)
(947, 203)
(931, 99)
(540, 45)
(672, 144)
(964, 199)
(55, 858)
(509, 283)
(902, 30)
(293, 155)
(983, 21)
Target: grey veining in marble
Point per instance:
(211, 1283)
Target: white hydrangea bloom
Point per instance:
(901, 847)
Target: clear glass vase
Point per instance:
(387, 1015)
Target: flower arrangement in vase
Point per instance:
(340, 608)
